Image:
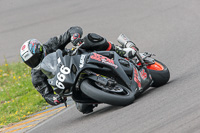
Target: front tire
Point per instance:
(159, 73)
(97, 93)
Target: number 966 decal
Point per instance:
(61, 76)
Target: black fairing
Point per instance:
(107, 63)
(70, 75)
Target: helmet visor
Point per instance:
(34, 60)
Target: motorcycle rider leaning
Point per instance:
(33, 52)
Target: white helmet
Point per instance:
(31, 52)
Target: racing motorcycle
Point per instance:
(103, 76)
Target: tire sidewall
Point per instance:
(160, 77)
(105, 97)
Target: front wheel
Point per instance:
(159, 73)
(118, 95)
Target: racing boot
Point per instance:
(85, 108)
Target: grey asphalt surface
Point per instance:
(168, 28)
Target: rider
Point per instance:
(33, 52)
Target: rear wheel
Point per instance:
(117, 95)
(159, 72)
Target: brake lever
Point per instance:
(76, 49)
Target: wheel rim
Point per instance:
(156, 66)
(114, 90)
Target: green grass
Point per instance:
(18, 97)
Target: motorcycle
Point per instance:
(103, 76)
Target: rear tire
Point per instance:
(160, 77)
(89, 88)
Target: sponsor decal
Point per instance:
(143, 74)
(26, 55)
(82, 60)
(137, 78)
(23, 47)
(103, 59)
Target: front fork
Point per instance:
(144, 75)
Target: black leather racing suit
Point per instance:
(92, 42)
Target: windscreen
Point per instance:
(49, 65)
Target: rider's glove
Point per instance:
(130, 52)
(125, 52)
(57, 99)
(130, 44)
(76, 39)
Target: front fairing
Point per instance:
(49, 65)
(66, 73)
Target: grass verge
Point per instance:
(18, 97)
